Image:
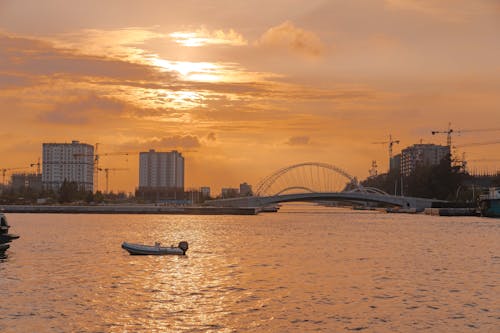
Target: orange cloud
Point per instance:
(211, 136)
(298, 141)
(81, 110)
(204, 36)
(140, 91)
(173, 142)
(288, 36)
(120, 44)
(447, 10)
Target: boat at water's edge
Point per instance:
(140, 249)
(489, 204)
(5, 237)
(3, 248)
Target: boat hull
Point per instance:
(490, 207)
(6, 238)
(139, 249)
(4, 247)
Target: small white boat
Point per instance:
(157, 249)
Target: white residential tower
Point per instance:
(73, 162)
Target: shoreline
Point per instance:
(128, 209)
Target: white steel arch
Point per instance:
(311, 176)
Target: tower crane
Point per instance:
(96, 162)
(390, 144)
(4, 171)
(448, 133)
(451, 131)
(97, 157)
(106, 172)
(37, 164)
(473, 144)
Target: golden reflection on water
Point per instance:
(303, 269)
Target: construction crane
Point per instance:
(38, 166)
(451, 131)
(106, 172)
(448, 133)
(4, 171)
(481, 130)
(96, 157)
(390, 143)
(474, 144)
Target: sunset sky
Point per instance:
(247, 87)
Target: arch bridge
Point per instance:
(315, 181)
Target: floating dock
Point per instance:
(451, 211)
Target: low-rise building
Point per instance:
(245, 190)
(205, 192)
(227, 192)
(23, 181)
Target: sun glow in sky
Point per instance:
(248, 90)
(188, 70)
(204, 37)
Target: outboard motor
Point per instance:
(183, 246)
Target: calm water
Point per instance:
(303, 269)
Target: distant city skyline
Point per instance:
(244, 88)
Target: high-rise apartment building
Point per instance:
(161, 175)
(73, 162)
(422, 154)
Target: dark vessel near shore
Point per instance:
(5, 237)
(3, 247)
(489, 204)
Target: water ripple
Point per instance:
(296, 271)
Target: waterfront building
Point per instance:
(72, 162)
(161, 175)
(245, 190)
(205, 192)
(228, 192)
(21, 181)
(422, 154)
